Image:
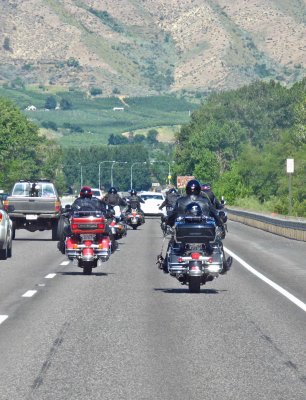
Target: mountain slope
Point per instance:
(140, 47)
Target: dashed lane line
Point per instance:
(3, 318)
(50, 276)
(274, 285)
(65, 262)
(29, 293)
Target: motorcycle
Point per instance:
(195, 252)
(166, 229)
(117, 225)
(134, 218)
(89, 243)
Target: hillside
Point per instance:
(141, 47)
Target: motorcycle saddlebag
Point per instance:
(195, 232)
(90, 224)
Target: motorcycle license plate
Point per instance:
(134, 220)
(87, 236)
(31, 216)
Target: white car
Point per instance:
(6, 230)
(152, 201)
(97, 193)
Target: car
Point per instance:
(6, 234)
(152, 201)
(97, 193)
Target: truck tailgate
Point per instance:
(33, 205)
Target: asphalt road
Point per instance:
(129, 331)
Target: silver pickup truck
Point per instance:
(34, 206)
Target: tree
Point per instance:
(65, 104)
(50, 103)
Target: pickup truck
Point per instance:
(34, 206)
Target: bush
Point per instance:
(95, 91)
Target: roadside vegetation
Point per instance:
(240, 140)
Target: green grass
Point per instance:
(95, 116)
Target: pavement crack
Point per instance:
(39, 380)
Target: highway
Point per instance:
(131, 332)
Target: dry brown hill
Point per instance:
(139, 47)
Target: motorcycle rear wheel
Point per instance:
(194, 284)
(87, 270)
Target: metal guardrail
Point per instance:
(282, 226)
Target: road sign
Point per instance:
(181, 181)
(155, 184)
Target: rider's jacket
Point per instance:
(134, 202)
(205, 204)
(114, 199)
(89, 204)
(213, 199)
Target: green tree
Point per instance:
(50, 103)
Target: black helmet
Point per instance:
(193, 187)
(193, 210)
(86, 192)
(133, 192)
(206, 187)
(112, 190)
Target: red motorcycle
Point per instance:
(89, 243)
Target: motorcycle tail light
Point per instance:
(88, 243)
(101, 226)
(210, 260)
(134, 214)
(180, 259)
(195, 268)
(195, 256)
(74, 226)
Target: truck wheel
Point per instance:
(54, 230)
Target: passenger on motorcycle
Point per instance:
(85, 202)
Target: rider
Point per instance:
(134, 203)
(171, 196)
(112, 198)
(85, 202)
(193, 195)
(206, 190)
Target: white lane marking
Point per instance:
(3, 318)
(29, 293)
(65, 262)
(50, 276)
(274, 285)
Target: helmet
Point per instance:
(193, 210)
(206, 187)
(86, 192)
(193, 187)
(133, 192)
(112, 190)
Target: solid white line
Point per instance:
(3, 318)
(65, 262)
(29, 293)
(50, 276)
(274, 285)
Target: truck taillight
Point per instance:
(57, 206)
(5, 205)
(1, 216)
